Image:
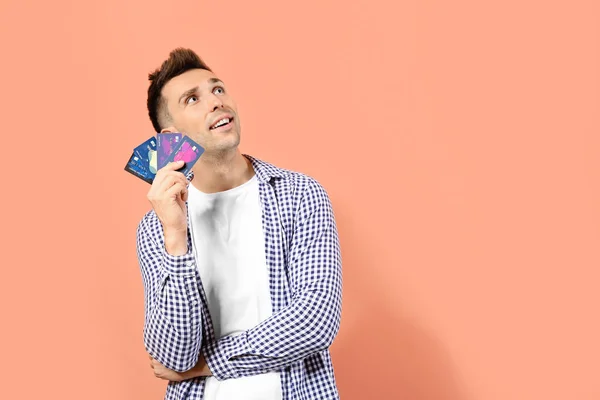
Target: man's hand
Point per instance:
(168, 195)
(162, 372)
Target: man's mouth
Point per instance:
(222, 123)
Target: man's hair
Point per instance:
(180, 60)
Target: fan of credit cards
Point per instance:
(158, 151)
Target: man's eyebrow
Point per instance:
(187, 93)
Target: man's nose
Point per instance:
(215, 102)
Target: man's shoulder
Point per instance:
(297, 181)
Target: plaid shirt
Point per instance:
(305, 280)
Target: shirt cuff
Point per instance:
(218, 355)
(182, 265)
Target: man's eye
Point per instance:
(191, 99)
(219, 90)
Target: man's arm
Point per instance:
(172, 326)
(312, 319)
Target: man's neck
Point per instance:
(217, 173)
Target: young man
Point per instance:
(241, 266)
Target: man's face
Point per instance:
(201, 108)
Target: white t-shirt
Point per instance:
(229, 245)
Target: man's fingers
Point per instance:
(170, 180)
(172, 166)
(164, 182)
(177, 188)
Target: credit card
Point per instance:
(188, 151)
(147, 151)
(166, 143)
(140, 168)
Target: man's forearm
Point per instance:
(172, 326)
(307, 326)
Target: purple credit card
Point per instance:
(188, 151)
(166, 143)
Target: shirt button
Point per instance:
(189, 263)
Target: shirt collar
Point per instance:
(264, 171)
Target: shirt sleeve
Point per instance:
(172, 323)
(311, 321)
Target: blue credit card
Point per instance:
(147, 152)
(188, 151)
(166, 143)
(140, 168)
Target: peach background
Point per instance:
(458, 141)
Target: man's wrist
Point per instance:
(176, 242)
(200, 369)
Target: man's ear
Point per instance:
(170, 129)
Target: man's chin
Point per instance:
(225, 145)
